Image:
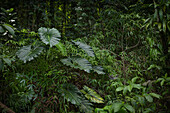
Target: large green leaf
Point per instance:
(85, 47)
(117, 106)
(68, 62)
(119, 89)
(9, 28)
(78, 62)
(92, 95)
(83, 63)
(27, 53)
(130, 108)
(61, 47)
(101, 110)
(98, 69)
(72, 94)
(49, 36)
(155, 95)
(148, 97)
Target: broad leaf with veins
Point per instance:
(49, 36)
(27, 53)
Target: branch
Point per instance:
(8, 110)
(133, 46)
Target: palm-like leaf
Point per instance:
(27, 53)
(92, 95)
(49, 36)
(72, 94)
(83, 64)
(98, 69)
(77, 62)
(85, 47)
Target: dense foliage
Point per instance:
(85, 56)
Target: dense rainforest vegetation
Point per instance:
(84, 56)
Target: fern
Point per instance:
(92, 95)
(72, 94)
(49, 36)
(85, 47)
(27, 53)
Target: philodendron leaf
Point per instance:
(69, 62)
(98, 69)
(49, 36)
(83, 63)
(27, 53)
(85, 47)
(78, 62)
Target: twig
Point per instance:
(133, 46)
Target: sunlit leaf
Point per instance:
(61, 47)
(85, 47)
(134, 79)
(108, 108)
(98, 69)
(7, 60)
(164, 25)
(49, 36)
(100, 110)
(92, 95)
(130, 108)
(117, 106)
(72, 94)
(155, 95)
(78, 62)
(119, 89)
(9, 28)
(125, 90)
(148, 98)
(27, 53)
